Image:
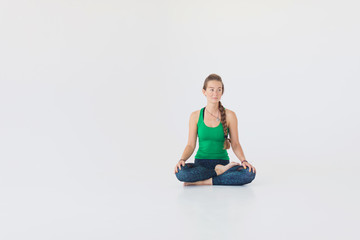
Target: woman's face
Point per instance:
(213, 91)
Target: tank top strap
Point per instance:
(201, 116)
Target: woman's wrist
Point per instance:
(244, 161)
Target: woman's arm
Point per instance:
(233, 127)
(235, 144)
(190, 147)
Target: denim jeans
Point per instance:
(203, 169)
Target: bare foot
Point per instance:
(203, 182)
(220, 169)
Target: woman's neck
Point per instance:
(212, 107)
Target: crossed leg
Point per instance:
(195, 174)
(235, 176)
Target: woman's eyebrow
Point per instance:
(213, 87)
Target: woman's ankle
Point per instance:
(219, 169)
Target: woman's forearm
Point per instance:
(187, 152)
(237, 149)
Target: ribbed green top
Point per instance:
(211, 141)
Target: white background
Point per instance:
(95, 99)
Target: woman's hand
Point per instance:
(247, 164)
(179, 164)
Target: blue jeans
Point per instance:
(203, 169)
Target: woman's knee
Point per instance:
(251, 176)
(247, 176)
(181, 174)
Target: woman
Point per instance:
(212, 124)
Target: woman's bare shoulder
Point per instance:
(230, 115)
(195, 114)
(228, 111)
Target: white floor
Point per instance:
(283, 202)
(95, 100)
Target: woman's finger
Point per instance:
(249, 167)
(246, 165)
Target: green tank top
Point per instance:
(211, 140)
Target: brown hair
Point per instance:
(216, 77)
